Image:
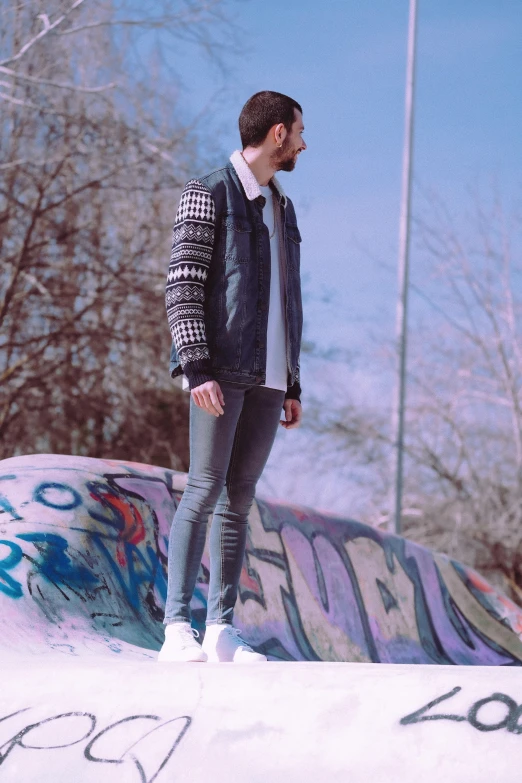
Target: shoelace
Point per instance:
(239, 641)
(187, 636)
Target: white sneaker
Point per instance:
(223, 643)
(180, 644)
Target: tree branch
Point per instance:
(46, 30)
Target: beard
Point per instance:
(284, 159)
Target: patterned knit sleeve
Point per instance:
(192, 244)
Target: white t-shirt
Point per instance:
(276, 368)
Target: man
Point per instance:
(233, 301)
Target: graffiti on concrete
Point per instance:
(83, 556)
(89, 547)
(509, 720)
(144, 742)
(350, 592)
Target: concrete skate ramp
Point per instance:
(116, 721)
(83, 554)
(83, 548)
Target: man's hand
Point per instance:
(293, 414)
(209, 397)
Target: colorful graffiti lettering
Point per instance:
(83, 559)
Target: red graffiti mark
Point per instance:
(300, 514)
(516, 615)
(249, 582)
(133, 530)
(477, 581)
(120, 554)
(303, 514)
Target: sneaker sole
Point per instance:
(246, 661)
(195, 658)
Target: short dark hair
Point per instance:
(261, 112)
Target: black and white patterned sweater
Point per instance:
(192, 244)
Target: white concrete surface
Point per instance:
(104, 721)
(350, 617)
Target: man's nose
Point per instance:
(304, 145)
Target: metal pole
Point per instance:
(404, 253)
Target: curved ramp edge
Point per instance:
(83, 553)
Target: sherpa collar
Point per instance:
(248, 180)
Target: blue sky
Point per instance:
(345, 62)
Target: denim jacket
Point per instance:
(218, 284)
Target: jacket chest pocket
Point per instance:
(236, 242)
(293, 246)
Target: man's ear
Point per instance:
(279, 133)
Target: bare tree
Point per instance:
(94, 152)
(463, 477)
(466, 400)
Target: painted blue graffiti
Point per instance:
(139, 571)
(8, 585)
(48, 494)
(54, 562)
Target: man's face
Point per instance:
(284, 158)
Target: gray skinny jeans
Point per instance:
(227, 456)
